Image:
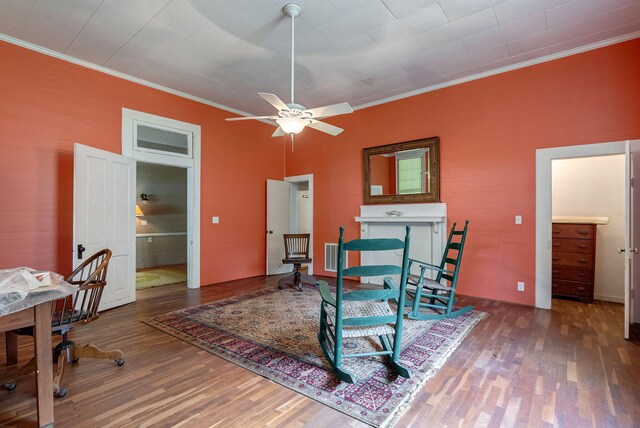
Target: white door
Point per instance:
(278, 220)
(104, 217)
(632, 236)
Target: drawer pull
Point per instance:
(582, 275)
(582, 247)
(555, 230)
(554, 285)
(555, 245)
(555, 258)
(583, 232)
(555, 272)
(582, 261)
(580, 288)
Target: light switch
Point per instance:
(518, 219)
(215, 219)
(143, 222)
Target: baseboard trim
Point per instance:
(613, 299)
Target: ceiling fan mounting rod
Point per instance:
(292, 10)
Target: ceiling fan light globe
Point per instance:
(292, 125)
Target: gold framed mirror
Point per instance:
(407, 172)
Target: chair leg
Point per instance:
(442, 310)
(297, 279)
(394, 345)
(415, 309)
(57, 377)
(333, 356)
(92, 351)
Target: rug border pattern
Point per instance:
(390, 415)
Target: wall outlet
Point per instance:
(150, 239)
(143, 222)
(520, 286)
(215, 219)
(518, 219)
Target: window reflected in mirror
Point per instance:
(403, 172)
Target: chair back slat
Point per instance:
(82, 306)
(373, 270)
(376, 244)
(296, 245)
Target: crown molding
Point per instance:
(477, 76)
(117, 74)
(505, 69)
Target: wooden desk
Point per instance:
(40, 317)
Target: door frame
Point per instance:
(191, 164)
(544, 158)
(308, 178)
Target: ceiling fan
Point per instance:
(292, 118)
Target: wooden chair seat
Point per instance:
(426, 282)
(362, 309)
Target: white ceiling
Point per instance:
(359, 51)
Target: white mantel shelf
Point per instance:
(406, 213)
(400, 219)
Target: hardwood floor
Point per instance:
(519, 367)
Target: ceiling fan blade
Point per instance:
(325, 127)
(274, 101)
(332, 110)
(278, 132)
(250, 117)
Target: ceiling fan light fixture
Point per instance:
(292, 125)
(292, 118)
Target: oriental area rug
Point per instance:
(274, 333)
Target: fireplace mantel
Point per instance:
(427, 221)
(403, 213)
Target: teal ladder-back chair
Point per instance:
(364, 312)
(438, 295)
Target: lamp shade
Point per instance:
(292, 125)
(139, 212)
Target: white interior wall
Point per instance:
(165, 214)
(300, 212)
(304, 221)
(594, 187)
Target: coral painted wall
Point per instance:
(48, 104)
(489, 131)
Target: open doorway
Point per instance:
(588, 204)
(160, 141)
(289, 210)
(161, 225)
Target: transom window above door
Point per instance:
(164, 140)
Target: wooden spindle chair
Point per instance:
(80, 308)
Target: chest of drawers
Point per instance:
(573, 260)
